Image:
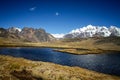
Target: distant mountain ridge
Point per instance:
(26, 34)
(94, 31)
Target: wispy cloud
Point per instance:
(32, 8)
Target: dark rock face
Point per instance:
(68, 36)
(27, 34)
(3, 32)
(41, 35)
(13, 30)
(36, 35)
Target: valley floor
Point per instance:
(83, 46)
(21, 69)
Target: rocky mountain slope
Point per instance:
(94, 31)
(26, 34)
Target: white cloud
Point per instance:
(57, 14)
(58, 35)
(32, 9)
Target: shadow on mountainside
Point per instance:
(115, 40)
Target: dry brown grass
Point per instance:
(80, 51)
(86, 46)
(23, 69)
(10, 67)
(89, 43)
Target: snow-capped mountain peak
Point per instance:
(14, 30)
(92, 31)
(114, 31)
(18, 29)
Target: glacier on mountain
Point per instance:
(93, 31)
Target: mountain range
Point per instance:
(26, 34)
(40, 35)
(93, 31)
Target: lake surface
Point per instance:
(106, 63)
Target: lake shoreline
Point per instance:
(84, 52)
(16, 67)
(64, 49)
(84, 75)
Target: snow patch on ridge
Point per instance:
(58, 35)
(18, 29)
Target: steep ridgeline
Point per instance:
(26, 34)
(36, 35)
(94, 31)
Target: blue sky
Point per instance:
(59, 16)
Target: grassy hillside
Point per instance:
(74, 46)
